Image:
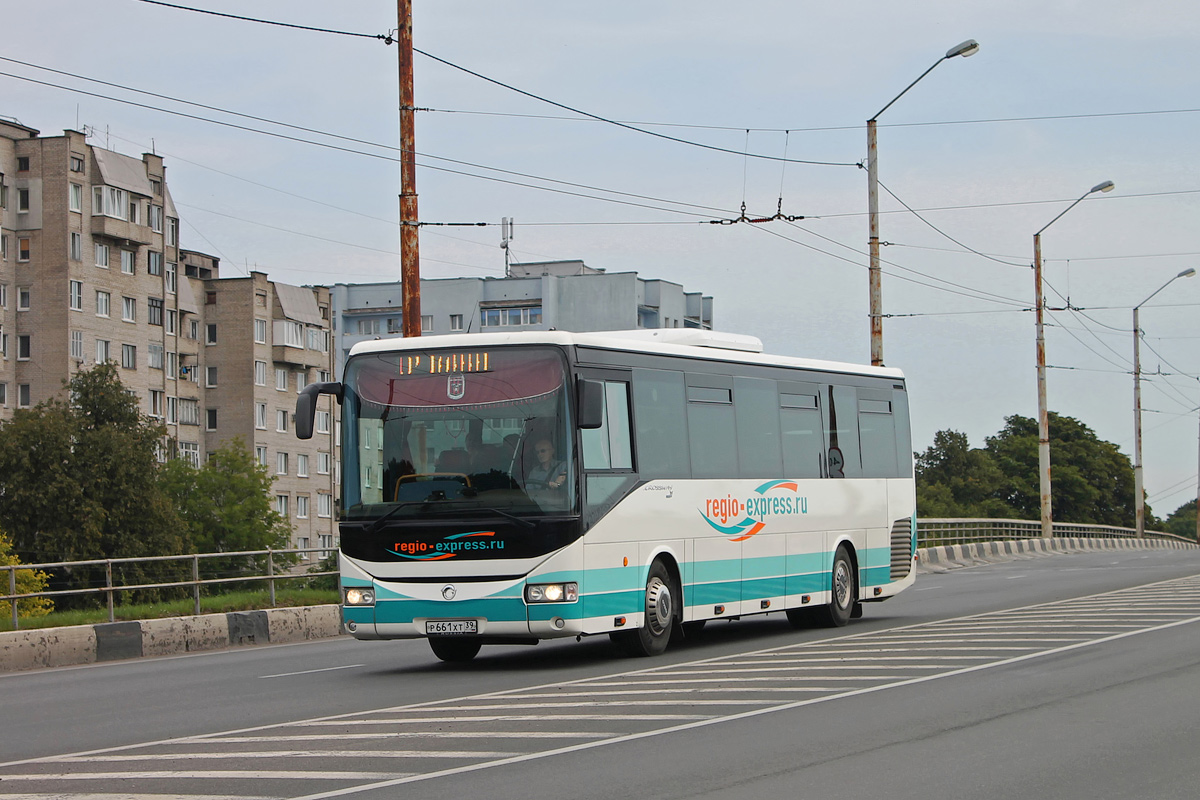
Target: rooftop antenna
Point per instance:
(506, 236)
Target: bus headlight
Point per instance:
(552, 593)
(356, 596)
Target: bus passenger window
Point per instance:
(877, 438)
(609, 446)
(658, 400)
(803, 438)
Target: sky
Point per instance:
(976, 158)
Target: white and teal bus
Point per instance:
(508, 488)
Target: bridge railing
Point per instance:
(936, 532)
(274, 568)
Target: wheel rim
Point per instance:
(841, 584)
(658, 605)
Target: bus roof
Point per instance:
(686, 342)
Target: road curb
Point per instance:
(957, 556)
(37, 648)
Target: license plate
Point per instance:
(451, 627)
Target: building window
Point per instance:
(129, 309)
(210, 419)
(189, 411)
(302, 465)
(156, 187)
(509, 317)
(260, 455)
(426, 323)
(76, 245)
(260, 331)
(260, 416)
(302, 506)
(318, 340)
(23, 296)
(170, 320)
(172, 365)
(24, 347)
(102, 350)
(129, 356)
(323, 421)
(77, 345)
(128, 261)
(456, 322)
(23, 398)
(281, 420)
(22, 163)
(260, 373)
(76, 295)
(76, 164)
(154, 358)
(281, 504)
(24, 248)
(324, 504)
(109, 201)
(4, 246)
(22, 201)
(103, 302)
(4, 395)
(281, 463)
(172, 272)
(154, 310)
(3, 345)
(156, 218)
(172, 231)
(210, 333)
(281, 379)
(322, 463)
(154, 262)
(193, 329)
(210, 377)
(172, 410)
(190, 452)
(76, 198)
(102, 255)
(369, 327)
(293, 334)
(156, 403)
(210, 298)
(301, 381)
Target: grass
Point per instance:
(216, 604)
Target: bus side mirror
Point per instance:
(591, 404)
(306, 406)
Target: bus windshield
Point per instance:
(430, 432)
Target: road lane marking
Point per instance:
(732, 717)
(311, 671)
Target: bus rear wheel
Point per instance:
(844, 595)
(651, 639)
(453, 649)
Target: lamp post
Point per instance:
(968, 48)
(1139, 504)
(1043, 413)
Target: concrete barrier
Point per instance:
(38, 648)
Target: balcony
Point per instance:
(125, 233)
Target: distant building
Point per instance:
(544, 295)
(90, 271)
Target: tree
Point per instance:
(225, 504)
(1182, 522)
(1092, 479)
(28, 581)
(79, 477)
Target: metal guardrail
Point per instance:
(930, 533)
(109, 589)
(936, 532)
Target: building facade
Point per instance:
(544, 295)
(91, 270)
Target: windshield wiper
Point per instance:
(524, 523)
(391, 512)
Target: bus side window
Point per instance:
(609, 446)
(661, 415)
(842, 429)
(711, 432)
(803, 436)
(877, 434)
(756, 409)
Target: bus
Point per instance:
(505, 488)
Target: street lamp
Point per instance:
(1043, 413)
(1139, 504)
(968, 48)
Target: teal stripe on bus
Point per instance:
(504, 609)
(614, 604)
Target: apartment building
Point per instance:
(91, 270)
(543, 295)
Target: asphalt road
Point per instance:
(1072, 676)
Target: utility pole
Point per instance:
(410, 270)
(506, 236)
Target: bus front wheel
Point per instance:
(651, 639)
(454, 649)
